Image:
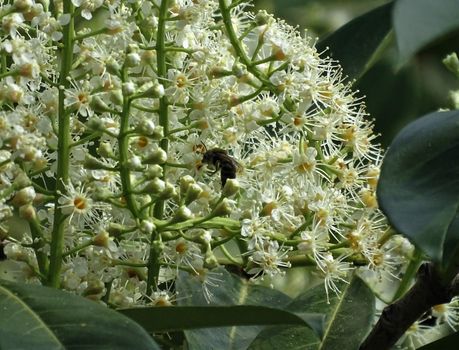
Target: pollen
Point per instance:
(142, 142)
(80, 203)
(181, 248)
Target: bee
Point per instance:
(222, 162)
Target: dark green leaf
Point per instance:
(35, 317)
(419, 22)
(173, 318)
(349, 319)
(285, 338)
(355, 43)
(448, 342)
(419, 183)
(225, 289)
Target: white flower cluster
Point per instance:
(115, 113)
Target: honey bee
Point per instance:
(222, 162)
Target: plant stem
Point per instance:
(158, 211)
(63, 153)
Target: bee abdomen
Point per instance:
(227, 171)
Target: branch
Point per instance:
(429, 290)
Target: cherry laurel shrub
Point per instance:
(108, 109)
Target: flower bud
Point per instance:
(133, 59)
(113, 67)
(146, 127)
(153, 171)
(116, 96)
(231, 188)
(21, 181)
(185, 182)
(156, 186)
(262, 18)
(193, 193)
(210, 261)
(106, 150)
(92, 163)
(102, 239)
(158, 133)
(158, 156)
(99, 105)
(27, 212)
(452, 63)
(147, 226)
(24, 196)
(128, 88)
(182, 214)
(95, 124)
(169, 191)
(223, 208)
(135, 163)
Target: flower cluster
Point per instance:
(108, 111)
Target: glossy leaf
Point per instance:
(419, 184)
(355, 43)
(225, 289)
(174, 318)
(286, 337)
(35, 317)
(419, 22)
(448, 342)
(348, 319)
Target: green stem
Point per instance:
(158, 211)
(409, 275)
(78, 248)
(225, 11)
(123, 142)
(63, 155)
(37, 237)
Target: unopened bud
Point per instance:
(102, 239)
(27, 212)
(193, 193)
(22, 181)
(231, 188)
(99, 105)
(146, 127)
(105, 150)
(169, 191)
(135, 163)
(223, 208)
(153, 171)
(185, 182)
(24, 196)
(147, 226)
(92, 163)
(158, 156)
(182, 214)
(133, 59)
(128, 88)
(452, 63)
(156, 186)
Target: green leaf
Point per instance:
(174, 318)
(225, 289)
(349, 318)
(419, 22)
(419, 184)
(36, 317)
(448, 342)
(355, 43)
(286, 337)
